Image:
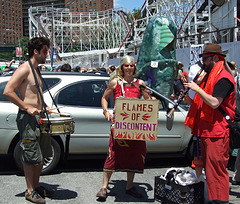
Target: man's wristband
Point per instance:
(104, 111)
(198, 90)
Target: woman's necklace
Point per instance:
(128, 81)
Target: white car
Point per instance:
(79, 95)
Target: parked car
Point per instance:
(79, 95)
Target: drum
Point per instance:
(59, 125)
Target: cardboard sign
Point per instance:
(136, 119)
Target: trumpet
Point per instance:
(170, 113)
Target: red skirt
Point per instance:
(125, 155)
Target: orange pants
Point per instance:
(215, 155)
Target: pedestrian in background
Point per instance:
(42, 68)
(178, 86)
(66, 68)
(236, 175)
(206, 121)
(111, 69)
(184, 76)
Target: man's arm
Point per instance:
(221, 90)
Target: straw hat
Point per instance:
(234, 64)
(180, 63)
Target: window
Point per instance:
(2, 87)
(51, 82)
(83, 94)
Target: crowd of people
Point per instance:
(216, 87)
(9, 69)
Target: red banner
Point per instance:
(18, 52)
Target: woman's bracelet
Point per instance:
(104, 111)
(198, 90)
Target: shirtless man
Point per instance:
(35, 146)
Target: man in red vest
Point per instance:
(206, 121)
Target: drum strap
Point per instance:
(50, 94)
(47, 129)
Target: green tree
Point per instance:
(24, 42)
(135, 12)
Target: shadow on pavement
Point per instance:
(117, 189)
(59, 193)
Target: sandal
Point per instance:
(102, 194)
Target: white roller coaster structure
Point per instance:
(89, 39)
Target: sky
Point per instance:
(129, 4)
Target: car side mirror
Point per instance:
(169, 122)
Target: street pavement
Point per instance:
(78, 181)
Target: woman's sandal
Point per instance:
(102, 194)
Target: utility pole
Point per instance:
(19, 47)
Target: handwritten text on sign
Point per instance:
(136, 119)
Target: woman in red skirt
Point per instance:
(124, 155)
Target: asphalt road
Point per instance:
(78, 181)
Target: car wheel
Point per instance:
(49, 163)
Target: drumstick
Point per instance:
(56, 108)
(60, 114)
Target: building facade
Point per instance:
(88, 5)
(14, 19)
(26, 4)
(11, 24)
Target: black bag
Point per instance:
(234, 129)
(235, 135)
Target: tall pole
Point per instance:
(52, 54)
(8, 29)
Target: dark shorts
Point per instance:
(35, 145)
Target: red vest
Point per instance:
(219, 128)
